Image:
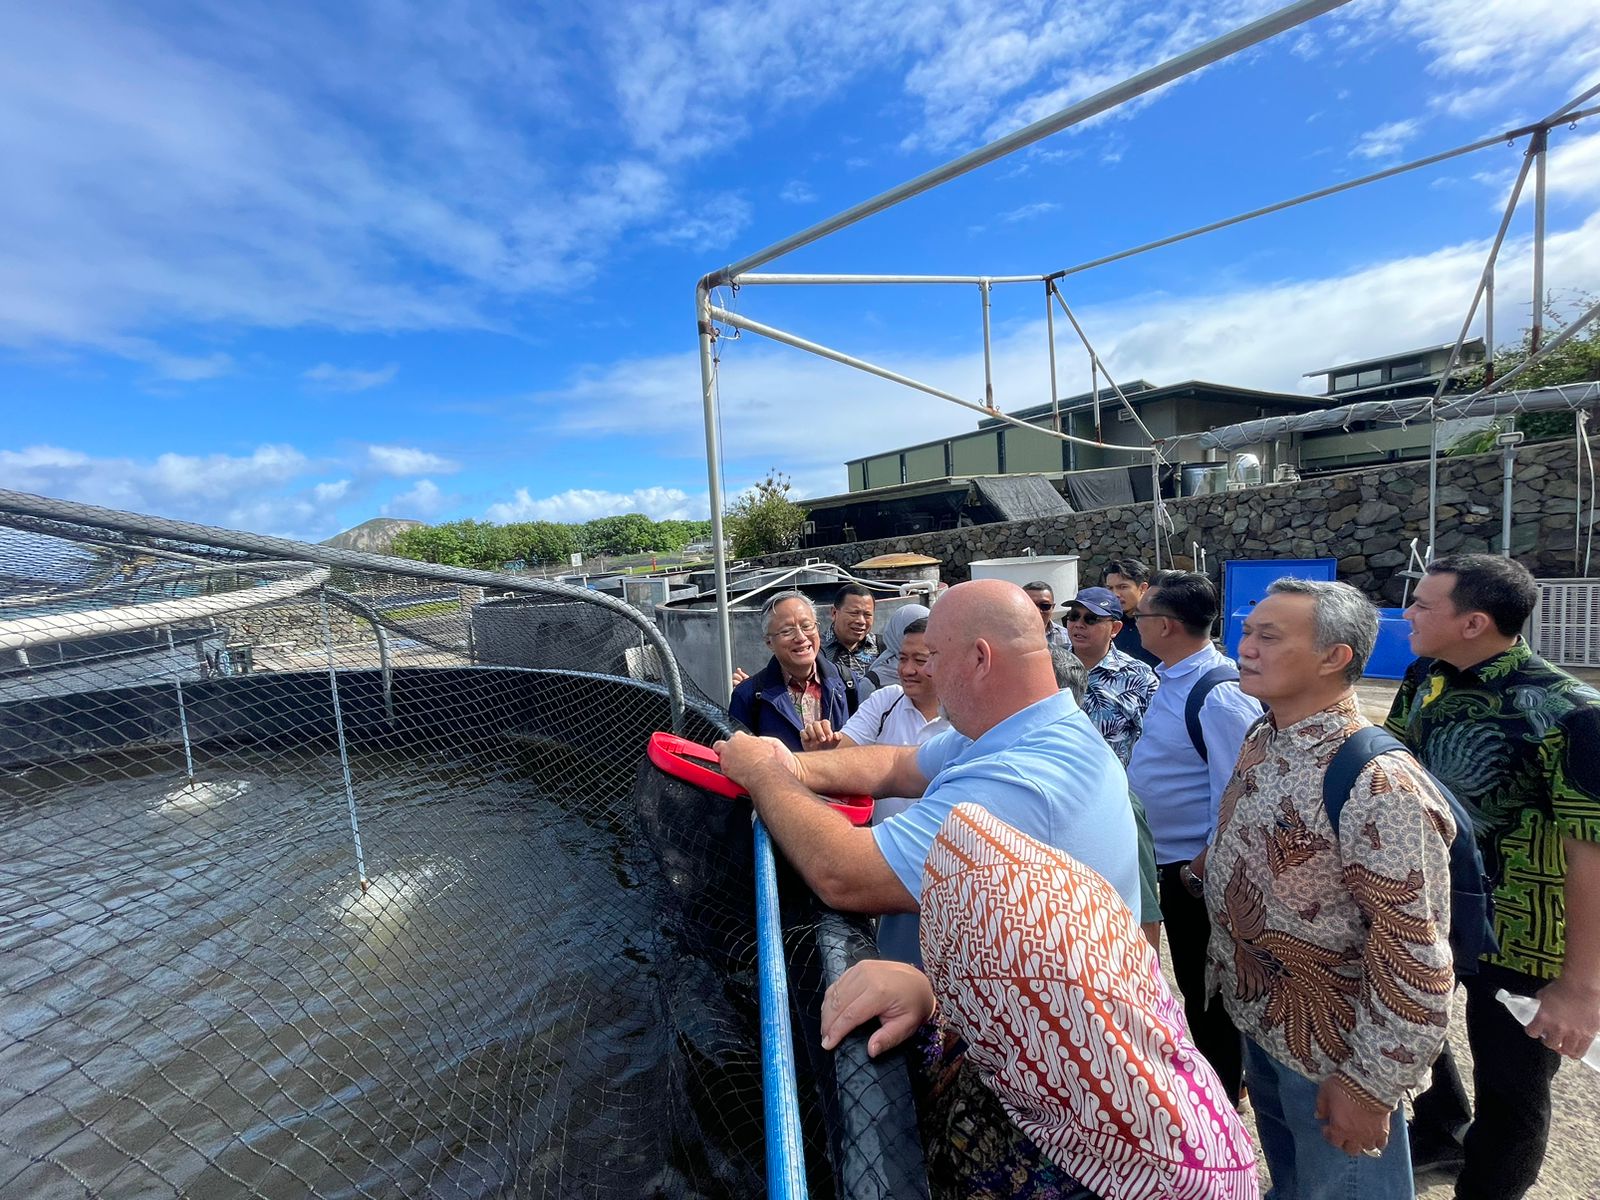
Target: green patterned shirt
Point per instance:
(1518, 741)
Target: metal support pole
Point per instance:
(183, 724)
(1537, 148)
(344, 749)
(1050, 341)
(988, 353)
(786, 1160)
(1094, 391)
(1509, 443)
(719, 553)
(1155, 504)
(1488, 328)
(1455, 355)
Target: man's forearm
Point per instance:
(863, 771)
(838, 861)
(1581, 965)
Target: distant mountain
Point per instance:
(372, 537)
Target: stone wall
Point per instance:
(1366, 519)
(296, 627)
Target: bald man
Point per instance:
(1019, 747)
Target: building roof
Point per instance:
(908, 491)
(1142, 393)
(1469, 344)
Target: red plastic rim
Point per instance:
(697, 765)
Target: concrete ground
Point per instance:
(1572, 1168)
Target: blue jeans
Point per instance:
(1302, 1163)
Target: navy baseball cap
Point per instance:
(1102, 602)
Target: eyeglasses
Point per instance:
(1139, 616)
(1083, 618)
(788, 631)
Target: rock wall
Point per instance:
(1366, 519)
(296, 627)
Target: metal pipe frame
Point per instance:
(1561, 118)
(74, 513)
(988, 350)
(1050, 345)
(756, 280)
(1537, 148)
(861, 364)
(1094, 363)
(1146, 81)
(385, 667)
(786, 1159)
(713, 430)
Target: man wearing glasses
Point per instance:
(1193, 730)
(799, 689)
(1119, 686)
(1043, 597)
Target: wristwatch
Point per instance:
(1196, 884)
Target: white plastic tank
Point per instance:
(1060, 571)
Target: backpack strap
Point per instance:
(1359, 749)
(1203, 687)
(884, 719)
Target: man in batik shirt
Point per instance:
(1330, 947)
(1120, 686)
(1518, 742)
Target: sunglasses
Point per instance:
(1083, 618)
(1044, 605)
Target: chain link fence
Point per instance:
(328, 874)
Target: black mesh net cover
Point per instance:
(323, 880)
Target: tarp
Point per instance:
(1102, 488)
(1020, 497)
(1267, 429)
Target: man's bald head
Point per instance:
(988, 655)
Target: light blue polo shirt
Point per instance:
(1046, 772)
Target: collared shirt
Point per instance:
(807, 696)
(1130, 643)
(1045, 771)
(889, 718)
(851, 662)
(1332, 951)
(1119, 691)
(1055, 635)
(1181, 792)
(1518, 742)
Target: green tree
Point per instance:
(765, 518)
(675, 535)
(537, 542)
(625, 534)
(1575, 361)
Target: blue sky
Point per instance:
(287, 266)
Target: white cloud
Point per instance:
(711, 224)
(797, 191)
(327, 493)
(806, 416)
(1386, 141)
(260, 491)
(1028, 212)
(1572, 168)
(406, 460)
(349, 379)
(422, 500)
(584, 504)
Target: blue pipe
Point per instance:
(786, 1167)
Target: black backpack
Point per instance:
(1195, 701)
(1471, 890)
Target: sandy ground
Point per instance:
(1572, 1168)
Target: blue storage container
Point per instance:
(1245, 582)
(1392, 655)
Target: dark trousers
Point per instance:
(1188, 932)
(1505, 1140)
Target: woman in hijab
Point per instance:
(885, 669)
(1039, 966)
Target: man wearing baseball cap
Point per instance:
(1120, 686)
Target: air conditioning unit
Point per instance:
(1565, 626)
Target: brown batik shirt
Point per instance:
(1333, 953)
